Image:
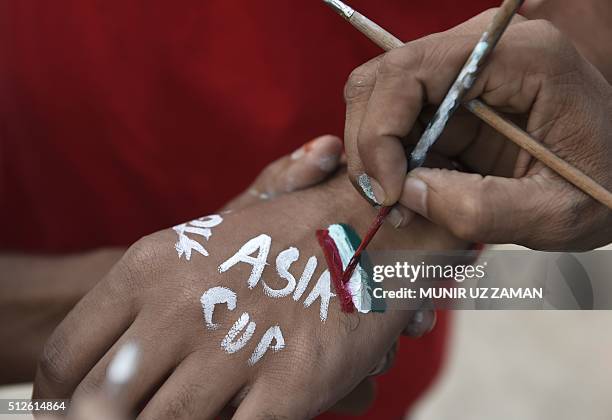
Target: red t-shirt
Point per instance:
(119, 118)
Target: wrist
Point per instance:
(53, 280)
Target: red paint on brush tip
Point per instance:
(378, 221)
(334, 263)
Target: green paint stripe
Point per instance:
(378, 305)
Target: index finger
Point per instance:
(82, 338)
(357, 93)
(407, 77)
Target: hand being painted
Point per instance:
(309, 165)
(538, 79)
(64, 279)
(234, 310)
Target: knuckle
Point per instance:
(547, 30)
(52, 365)
(88, 388)
(143, 252)
(567, 225)
(183, 404)
(358, 85)
(140, 262)
(573, 141)
(398, 61)
(402, 71)
(554, 44)
(554, 223)
(469, 223)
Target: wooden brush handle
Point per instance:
(375, 33)
(387, 41)
(540, 152)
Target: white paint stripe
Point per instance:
(309, 270)
(213, 297)
(321, 290)
(261, 244)
(201, 227)
(229, 343)
(283, 261)
(273, 333)
(357, 285)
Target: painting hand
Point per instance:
(501, 194)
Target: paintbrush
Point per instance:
(465, 80)
(387, 42)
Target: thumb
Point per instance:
(475, 208)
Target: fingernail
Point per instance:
(378, 191)
(399, 217)
(395, 217)
(308, 146)
(423, 320)
(415, 195)
(298, 154)
(421, 323)
(328, 163)
(372, 189)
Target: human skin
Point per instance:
(535, 77)
(38, 291)
(588, 23)
(152, 296)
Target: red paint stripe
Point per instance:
(378, 221)
(334, 262)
